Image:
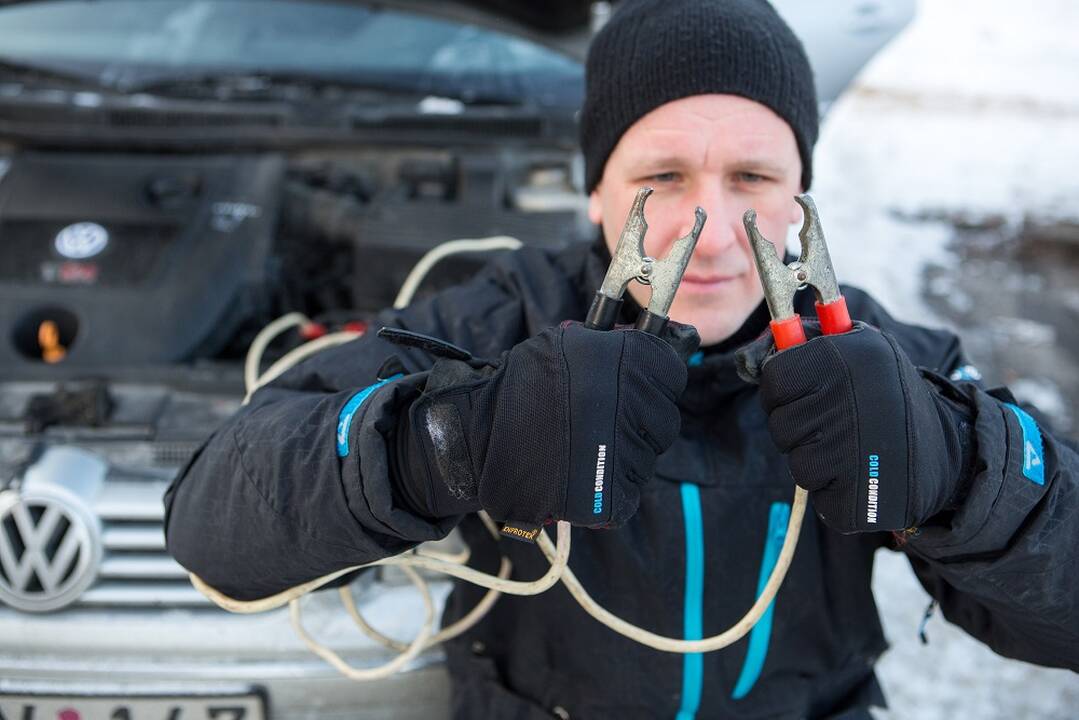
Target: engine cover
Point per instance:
(131, 259)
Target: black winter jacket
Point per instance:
(300, 483)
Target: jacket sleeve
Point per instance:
(1005, 565)
(299, 483)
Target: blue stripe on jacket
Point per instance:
(693, 622)
(762, 632)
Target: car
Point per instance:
(174, 176)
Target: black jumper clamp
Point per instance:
(628, 262)
(781, 282)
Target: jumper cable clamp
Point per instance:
(781, 281)
(629, 263)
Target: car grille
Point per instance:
(173, 454)
(135, 569)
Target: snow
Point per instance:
(955, 676)
(972, 112)
(1043, 395)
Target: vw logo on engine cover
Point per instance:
(48, 553)
(81, 240)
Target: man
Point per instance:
(711, 104)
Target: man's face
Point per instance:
(726, 154)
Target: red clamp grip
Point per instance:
(788, 332)
(834, 318)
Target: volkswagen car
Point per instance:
(173, 176)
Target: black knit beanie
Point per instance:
(654, 51)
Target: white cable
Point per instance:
(477, 613)
(262, 341)
(732, 634)
(559, 559)
(439, 252)
(466, 622)
(488, 600)
(414, 648)
(294, 356)
(558, 555)
(459, 558)
(645, 637)
(246, 607)
(454, 564)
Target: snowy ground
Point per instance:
(970, 119)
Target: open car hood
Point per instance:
(563, 25)
(839, 36)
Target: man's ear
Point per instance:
(595, 207)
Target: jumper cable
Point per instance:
(629, 263)
(781, 282)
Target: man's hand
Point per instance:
(566, 426)
(862, 429)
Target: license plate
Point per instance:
(16, 706)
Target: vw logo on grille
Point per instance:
(81, 240)
(48, 554)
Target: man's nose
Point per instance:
(720, 233)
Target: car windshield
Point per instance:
(128, 43)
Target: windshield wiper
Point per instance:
(229, 84)
(286, 85)
(223, 85)
(35, 73)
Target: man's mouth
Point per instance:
(703, 282)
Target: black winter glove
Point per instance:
(862, 428)
(566, 426)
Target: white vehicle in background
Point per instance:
(175, 174)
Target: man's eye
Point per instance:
(665, 177)
(749, 177)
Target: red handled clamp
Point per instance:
(628, 262)
(781, 282)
